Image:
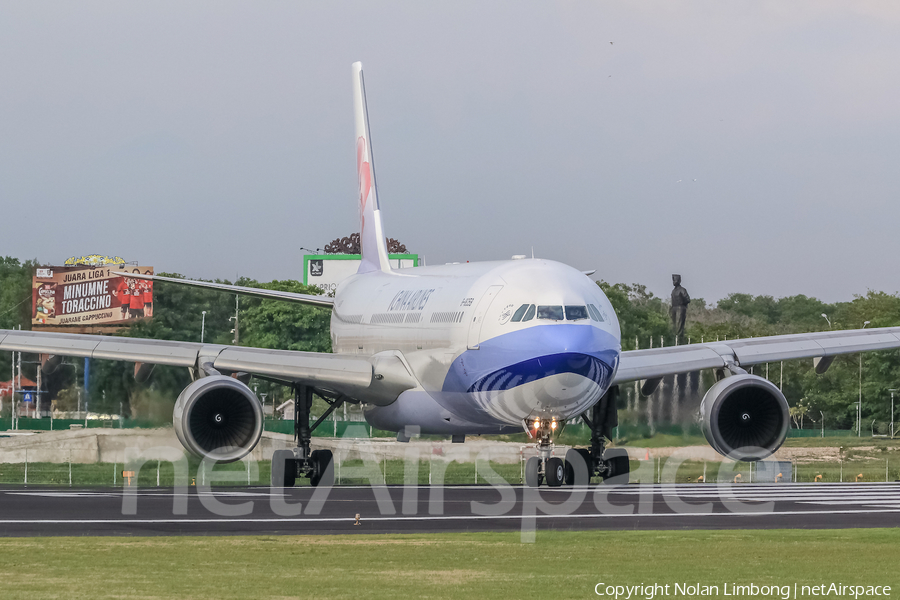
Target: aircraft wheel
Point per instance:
(284, 472)
(532, 466)
(323, 468)
(578, 466)
(554, 472)
(617, 460)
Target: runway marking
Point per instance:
(437, 517)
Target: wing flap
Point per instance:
(659, 362)
(762, 350)
(157, 352)
(311, 367)
(65, 344)
(656, 362)
(351, 375)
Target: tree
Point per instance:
(15, 301)
(798, 413)
(642, 316)
(284, 325)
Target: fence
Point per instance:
(328, 428)
(575, 431)
(351, 468)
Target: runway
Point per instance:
(39, 510)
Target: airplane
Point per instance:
(460, 349)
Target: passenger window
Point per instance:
(553, 313)
(520, 313)
(576, 313)
(530, 314)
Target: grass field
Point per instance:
(857, 466)
(477, 565)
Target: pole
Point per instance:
(823, 423)
(859, 406)
(892, 412)
(87, 389)
(202, 325)
(781, 378)
(37, 400)
(237, 333)
(19, 387)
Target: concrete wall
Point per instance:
(117, 445)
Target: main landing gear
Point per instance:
(581, 463)
(317, 465)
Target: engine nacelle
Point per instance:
(745, 417)
(218, 417)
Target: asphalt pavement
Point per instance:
(42, 510)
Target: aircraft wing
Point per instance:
(823, 346)
(378, 379)
(311, 300)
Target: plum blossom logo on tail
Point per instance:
(365, 181)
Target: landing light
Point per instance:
(537, 423)
(553, 425)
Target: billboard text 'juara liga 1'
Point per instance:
(90, 295)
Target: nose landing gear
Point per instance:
(544, 467)
(581, 463)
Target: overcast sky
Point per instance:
(749, 146)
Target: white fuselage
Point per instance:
(491, 344)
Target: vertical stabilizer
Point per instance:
(371, 233)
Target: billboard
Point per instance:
(326, 271)
(81, 295)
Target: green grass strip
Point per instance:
(465, 565)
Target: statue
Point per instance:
(680, 300)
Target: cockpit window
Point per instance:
(576, 313)
(520, 313)
(595, 314)
(529, 315)
(553, 313)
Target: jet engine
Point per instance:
(745, 417)
(218, 417)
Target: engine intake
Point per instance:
(218, 417)
(745, 417)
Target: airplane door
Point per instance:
(478, 316)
